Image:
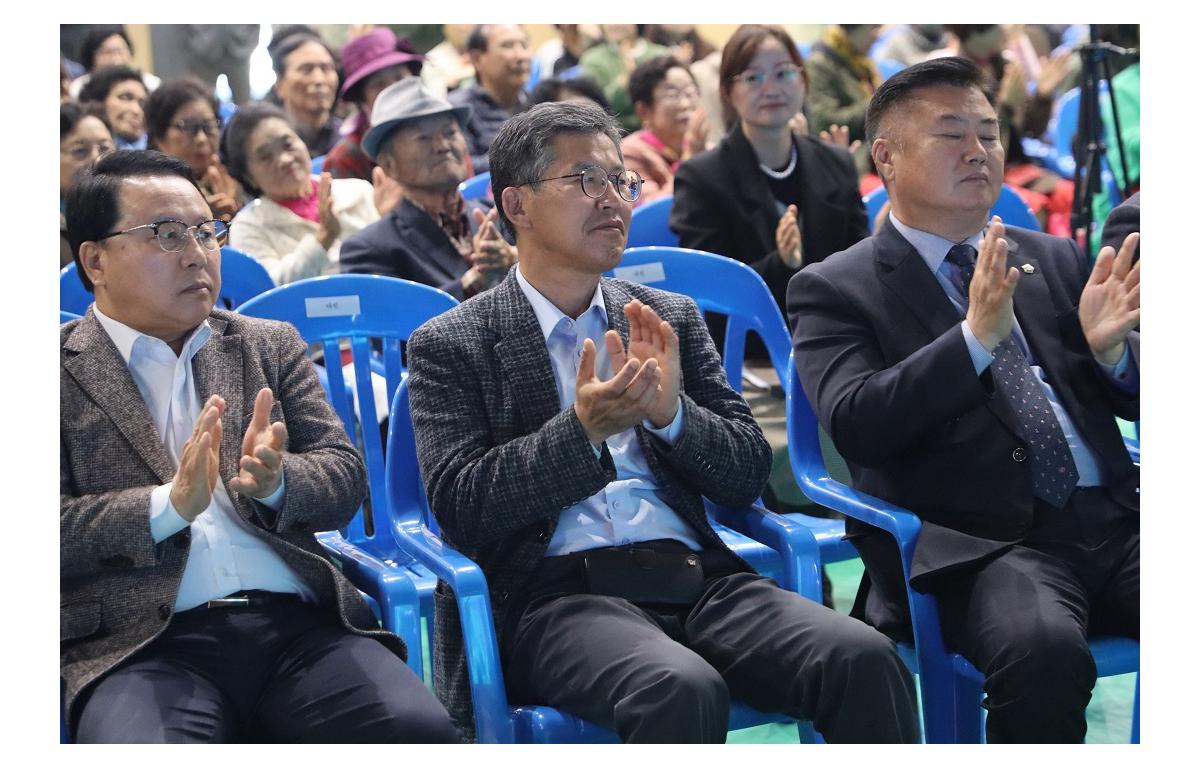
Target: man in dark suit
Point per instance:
(433, 236)
(997, 429)
(197, 458)
(567, 427)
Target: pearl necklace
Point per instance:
(774, 174)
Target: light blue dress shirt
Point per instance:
(933, 249)
(628, 509)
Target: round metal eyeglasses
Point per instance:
(172, 235)
(594, 182)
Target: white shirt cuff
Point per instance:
(164, 520)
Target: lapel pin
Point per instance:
(1027, 269)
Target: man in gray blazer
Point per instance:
(567, 427)
(197, 458)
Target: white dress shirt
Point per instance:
(227, 554)
(628, 509)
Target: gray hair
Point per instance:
(523, 149)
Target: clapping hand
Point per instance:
(490, 252)
(839, 136)
(328, 227)
(388, 191)
(192, 487)
(787, 239)
(260, 469)
(1111, 303)
(224, 197)
(990, 306)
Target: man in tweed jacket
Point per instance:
(192, 609)
(567, 427)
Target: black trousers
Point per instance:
(286, 672)
(1023, 617)
(657, 674)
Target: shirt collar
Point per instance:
(932, 248)
(548, 315)
(125, 337)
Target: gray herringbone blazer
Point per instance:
(500, 458)
(117, 586)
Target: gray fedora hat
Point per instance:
(400, 102)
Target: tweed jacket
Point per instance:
(117, 587)
(501, 459)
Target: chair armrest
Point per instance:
(466, 579)
(795, 543)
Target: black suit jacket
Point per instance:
(1123, 221)
(724, 205)
(408, 244)
(884, 364)
(501, 458)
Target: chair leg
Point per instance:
(968, 714)
(1135, 736)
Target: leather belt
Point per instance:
(254, 598)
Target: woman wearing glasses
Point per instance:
(666, 100)
(297, 224)
(181, 120)
(83, 136)
(766, 196)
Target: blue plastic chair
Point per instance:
(888, 67)
(951, 688)
(1011, 209)
(728, 287)
(570, 73)
(790, 557)
(318, 163)
(535, 73)
(648, 226)
(242, 278)
(476, 187)
(1063, 125)
(362, 309)
(66, 317)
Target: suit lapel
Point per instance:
(753, 195)
(523, 356)
(217, 367)
(424, 237)
(905, 273)
(102, 374)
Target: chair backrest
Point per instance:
(318, 164)
(1011, 209)
(648, 226)
(888, 67)
(72, 296)
(716, 284)
(66, 317)
(360, 309)
(476, 187)
(242, 278)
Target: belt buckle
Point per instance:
(230, 602)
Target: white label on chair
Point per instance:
(650, 272)
(331, 306)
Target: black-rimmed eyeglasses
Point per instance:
(173, 235)
(594, 182)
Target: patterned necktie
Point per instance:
(1054, 473)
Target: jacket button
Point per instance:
(543, 537)
(1018, 454)
(164, 611)
(503, 597)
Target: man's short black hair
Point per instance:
(102, 81)
(478, 39)
(647, 75)
(950, 70)
(94, 38)
(523, 149)
(94, 204)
